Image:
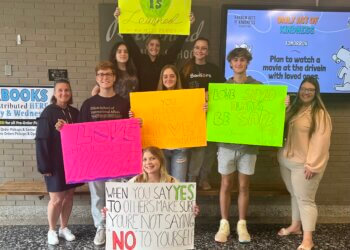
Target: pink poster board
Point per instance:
(101, 150)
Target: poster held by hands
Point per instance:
(251, 114)
(154, 17)
(171, 119)
(101, 150)
(150, 216)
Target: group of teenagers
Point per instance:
(302, 159)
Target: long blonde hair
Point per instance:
(178, 80)
(158, 153)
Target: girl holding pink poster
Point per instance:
(50, 160)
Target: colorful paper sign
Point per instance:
(171, 119)
(154, 17)
(150, 216)
(246, 114)
(101, 150)
(19, 108)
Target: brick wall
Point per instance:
(55, 34)
(64, 34)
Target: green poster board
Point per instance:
(250, 114)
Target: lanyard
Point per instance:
(68, 118)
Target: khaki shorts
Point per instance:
(230, 160)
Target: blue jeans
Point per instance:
(97, 193)
(176, 163)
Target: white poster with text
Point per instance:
(150, 215)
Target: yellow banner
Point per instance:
(172, 118)
(155, 17)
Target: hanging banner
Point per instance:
(250, 114)
(150, 216)
(155, 17)
(19, 108)
(173, 119)
(101, 150)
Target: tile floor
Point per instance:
(327, 236)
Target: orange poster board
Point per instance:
(171, 119)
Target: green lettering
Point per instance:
(183, 193)
(190, 189)
(177, 189)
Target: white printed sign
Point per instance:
(150, 215)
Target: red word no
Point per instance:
(122, 241)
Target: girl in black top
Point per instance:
(149, 65)
(50, 159)
(197, 72)
(127, 80)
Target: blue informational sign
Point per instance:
(19, 108)
(288, 45)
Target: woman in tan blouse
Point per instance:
(304, 157)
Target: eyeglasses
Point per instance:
(105, 74)
(307, 91)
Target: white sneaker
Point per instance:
(224, 231)
(100, 237)
(243, 235)
(52, 238)
(66, 234)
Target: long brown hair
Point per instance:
(178, 84)
(130, 66)
(316, 105)
(158, 153)
(189, 64)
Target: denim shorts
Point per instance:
(230, 160)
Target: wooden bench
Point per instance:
(31, 188)
(39, 188)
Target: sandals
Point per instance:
(286, 232)
(301, 247)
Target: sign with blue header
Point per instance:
(19, 108)
(301, 43)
